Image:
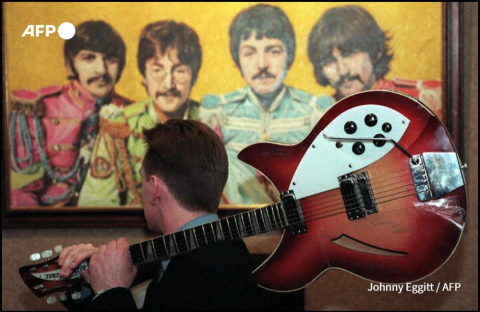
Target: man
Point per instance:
(56, 126)
(262, 44)
(169, 58)
(180, 190)
(350, 52)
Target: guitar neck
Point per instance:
(249, 223)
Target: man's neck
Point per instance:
(267, 99)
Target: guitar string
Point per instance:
(238, 233)
(251, 229)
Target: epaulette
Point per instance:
(324, 101)
(134, 109)
(31, 102)
(210, 101)
(50, 90)
(404, 83)
(236, 96)
(300, 95)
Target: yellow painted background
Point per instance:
(33, 63)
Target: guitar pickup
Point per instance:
(293, 213)
(357, 195)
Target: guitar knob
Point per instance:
(35, 257)
(76, 295)
(51, 300)
(58, 249)
(47, 254)
(63, 296)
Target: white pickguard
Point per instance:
(324, 162)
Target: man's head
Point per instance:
(95, 57)
(169, 58)
(190, 159)
(348, 50)
(262, 44)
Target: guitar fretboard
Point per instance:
(249, 223)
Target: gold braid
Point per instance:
(114, 135)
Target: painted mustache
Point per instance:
(172, 92)
(346, 78)
(264, 73)
(105, 78)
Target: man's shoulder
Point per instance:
(301, 96)
(35, 95)
(214, 100)
(403, 83)
(33, 101)
(119, 99)
(135, 110)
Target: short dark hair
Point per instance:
(97, 36)
(265, 20)
(191, 160)
(348, 28)
(161, 35)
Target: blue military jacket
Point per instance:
(241, 120)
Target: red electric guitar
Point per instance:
(376, 189)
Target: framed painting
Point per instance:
(62, 87)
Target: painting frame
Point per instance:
(452, 114)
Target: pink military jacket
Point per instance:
(62, 109)
(429, 91)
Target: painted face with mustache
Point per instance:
(349, 73)
(96, 72)
(263, 63)
(168, 83)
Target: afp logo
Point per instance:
(65, 30)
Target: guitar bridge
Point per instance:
(357, 195)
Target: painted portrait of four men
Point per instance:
(80, 144)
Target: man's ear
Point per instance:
(157, 187)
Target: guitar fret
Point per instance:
(143, 254)
(209, 236)
(134, 253)
(175, 243)
(200, 238)
(255, 226)
(227, 232)
(220, 228)
(249, 228)
(235, 234)
(153, 248)
(186, 241)
(264, 220)
(279, 216)
(192, 231)
(261, 227)
(272, 216)
(244, 225)
(238, 223)
(167, 245)
(213, 232)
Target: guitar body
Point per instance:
(406, 238)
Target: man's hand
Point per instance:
(111, 266)
(71, 257)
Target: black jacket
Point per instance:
(214, 277)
